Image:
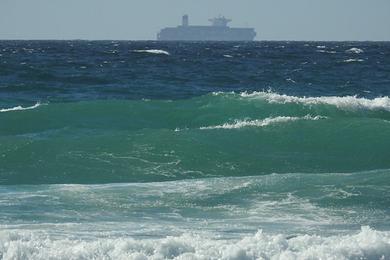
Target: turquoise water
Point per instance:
(216, 135)
(157, 160)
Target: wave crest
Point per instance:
(19, 108)
(346, 102)
(260, 123)
(354, 50)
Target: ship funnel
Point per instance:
(185, 20)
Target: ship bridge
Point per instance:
(220, 21)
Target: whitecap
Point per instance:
(152, 51)
(324, 51)
(353, 60)
(19, 108)
(260, 122)
(291, 80)
(354, 50)
(227, 56)
(346, 102)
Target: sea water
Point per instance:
(150, 150)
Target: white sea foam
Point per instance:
(260, 122)
(291, 80)
(324, 51)
(227, 56)
(19, 108)
(353, 60)
(153, 51)
(347, 102)
(354, 50)
(365, 244)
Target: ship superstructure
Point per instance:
(218, 31)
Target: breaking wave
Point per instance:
(366, 244)
(19, 108)
(346, 102)
(261, 123)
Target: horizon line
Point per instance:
(155, 40)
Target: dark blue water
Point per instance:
(83, 70)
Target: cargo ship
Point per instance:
(217, 31)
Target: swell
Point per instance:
(221, 134)
(213, 109)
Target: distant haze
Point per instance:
(142, 19)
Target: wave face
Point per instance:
(231, 134)
(176, 150)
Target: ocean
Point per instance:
(175, 150)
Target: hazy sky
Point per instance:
(142, 19)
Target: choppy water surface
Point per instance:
(146, 150)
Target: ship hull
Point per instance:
(206, 33)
